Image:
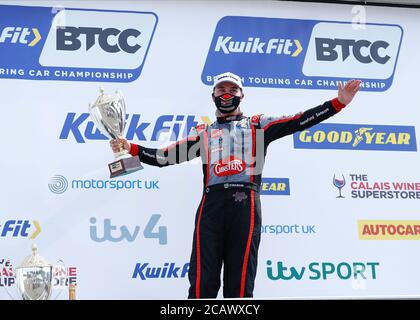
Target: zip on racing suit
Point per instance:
(228, 220)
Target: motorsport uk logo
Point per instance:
(58, 184)
(357, 137)
(49, 43)
(288, 229)
(310, 54)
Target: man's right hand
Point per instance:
(120, 142)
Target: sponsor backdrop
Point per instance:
(341, 201)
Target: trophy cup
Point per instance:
(108, 113)
(34, 277)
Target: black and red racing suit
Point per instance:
(228, 220)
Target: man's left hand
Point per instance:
(347, 92)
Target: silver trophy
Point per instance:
(108, 113)
(34, 277)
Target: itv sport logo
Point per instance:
(49, 43)
(310, 54)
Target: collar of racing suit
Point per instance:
(236, 117)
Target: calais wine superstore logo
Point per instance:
(62, 275)
(49, 43)
(310, 54)
(362, 187)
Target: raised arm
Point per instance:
(277, 127)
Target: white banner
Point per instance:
(340, 202)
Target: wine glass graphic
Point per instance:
(339, 183)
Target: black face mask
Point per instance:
(227, 103)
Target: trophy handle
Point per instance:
(8, 293)
(65, 268)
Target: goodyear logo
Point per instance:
(357, 137)
(389, 229)
(311, 54)
(43, 43)
(275, 186)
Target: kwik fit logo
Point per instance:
(145, 271)
(357, 137)
(170, 126)
(44, 43)
(310, 54)
(20, 229)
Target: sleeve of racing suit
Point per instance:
(277, 127)
(181, 151)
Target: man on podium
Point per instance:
(232, 149)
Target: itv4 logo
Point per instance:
(114, 233)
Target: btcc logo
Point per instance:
(336, 50)
(326, 50)
(76, 44)
(27, 36)
(306, 54)
(109, 39)
(290, 47)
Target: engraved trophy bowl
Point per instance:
(108, 113)
(34, 277)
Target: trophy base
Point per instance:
(124, 166)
